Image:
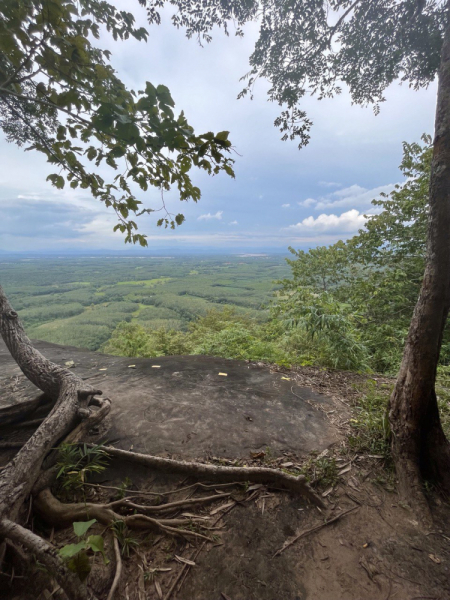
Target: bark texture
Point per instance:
(20, 474)
(418, 441)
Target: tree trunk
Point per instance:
(419, 445)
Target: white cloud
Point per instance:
(29, 197)
(285, 205)
(353, 196)
(308, 202)
(209, 216)
(329, 184)
(233, 223)
(348, 222)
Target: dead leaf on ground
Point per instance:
(185, 561)
(223, 507)
(256, 486)
(258, 454)
(435, 559)
(345, 469)
(158, 590)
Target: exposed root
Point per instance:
(296, 484)
(118, 573)
(142, 493)
(410, 486)
(19, 412)
(169, 506)
(47, 555)
(60, 514)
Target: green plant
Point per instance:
(123, 488)
(126, 541)
(320, 471)
(326, 471)
(76, 555)
(371, 430)
(76, 462)
(443, 397)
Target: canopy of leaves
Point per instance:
(60, 96)
(313, 46)
(372, 281)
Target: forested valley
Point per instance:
(344, 306)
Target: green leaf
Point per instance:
(128, 132)
(80, 527)
(222, 136)
(117, 151)
(72, 549)
(96, 544)
(80, 565)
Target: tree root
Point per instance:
(47, 555)
(63, 515)
(296, 484)
(19, 412)
(118, 573)
(17, 479)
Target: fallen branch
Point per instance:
(297, 484)
(286, 545)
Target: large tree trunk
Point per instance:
(419, 445)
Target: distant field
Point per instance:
(80, 301)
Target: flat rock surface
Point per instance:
(191, 406)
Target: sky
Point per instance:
(281, 196)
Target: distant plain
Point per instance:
(80, 300)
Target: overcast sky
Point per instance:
(281, 195)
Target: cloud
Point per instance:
(233, 223)
(353, 196)
(308, 202)
(209, 216)
(31, 218)
(329, 184)
(349, 222)
(285, 205)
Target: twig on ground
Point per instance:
(313, 529)
(185, 569)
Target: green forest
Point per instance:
(80, 301)
(345, 306)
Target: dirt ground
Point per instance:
(266, 544)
